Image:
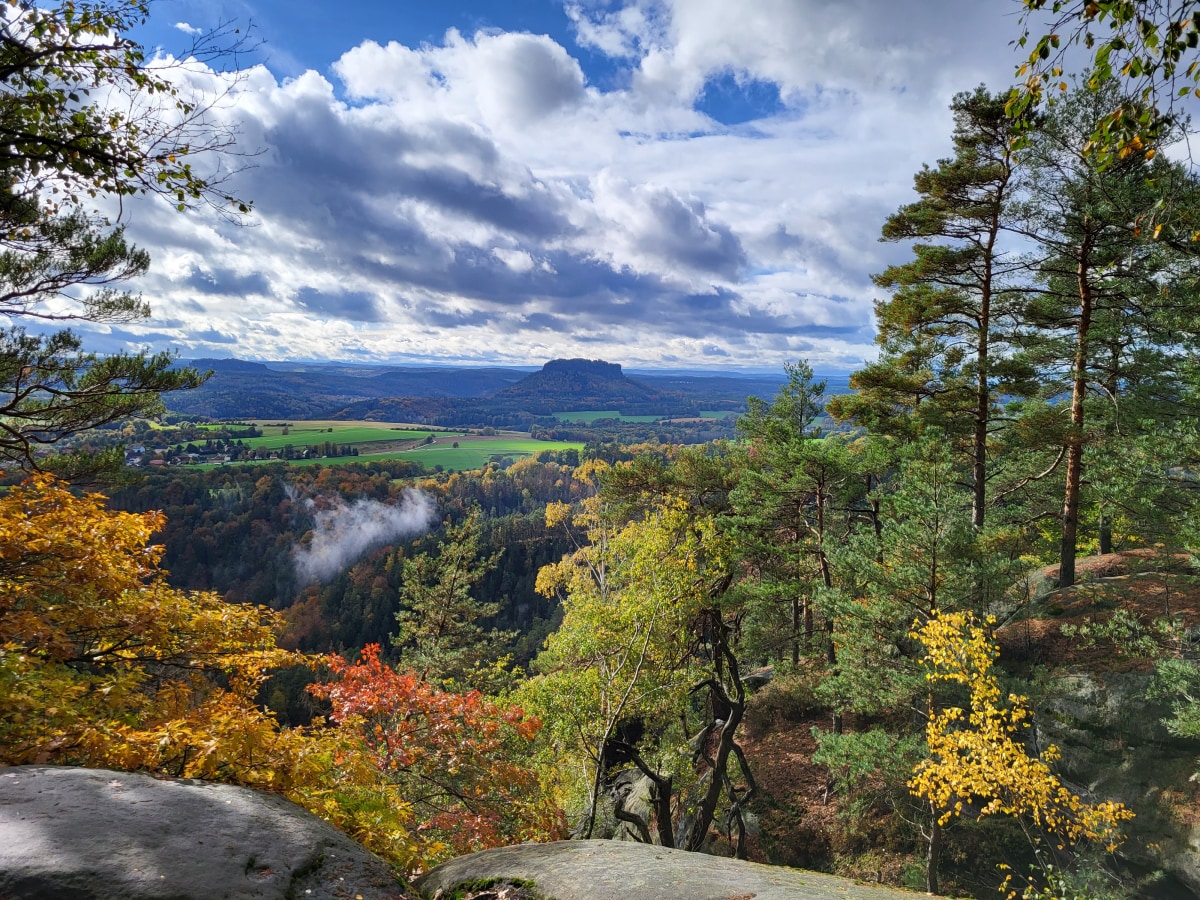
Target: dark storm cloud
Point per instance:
(584, 294)
(447, 318)
(353, 306)
(546, 322)
(352, 164)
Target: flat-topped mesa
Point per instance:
(592, 368)
(585, 384)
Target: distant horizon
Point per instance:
(713, 370)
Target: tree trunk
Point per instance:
(799, 610)
(1106, 543)
(725, 666)
(1070, 513)
(933, 855)
(983, 390)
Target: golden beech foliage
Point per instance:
(102, 663)
(976, 756)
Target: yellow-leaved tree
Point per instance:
(103, 663)
(978, 762)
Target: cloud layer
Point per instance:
(712, 193)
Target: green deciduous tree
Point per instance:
(1150, 46)
(644, 647)
(84, 114)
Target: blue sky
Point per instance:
(662, 183)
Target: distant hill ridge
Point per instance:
(459, 395)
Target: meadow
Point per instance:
(303, 434)
(376, 442)
(588, 416)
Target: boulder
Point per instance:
(620, 870)
(92, 834)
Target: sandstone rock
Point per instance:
(92, 834)
(619, 870)
(1114, 746)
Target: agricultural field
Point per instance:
(474, 452)
(588, 416)
(453, 450)
(301, 434)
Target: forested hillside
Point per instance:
(239, 531)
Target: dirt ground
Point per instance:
(1144, 583)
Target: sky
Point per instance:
(659, 183)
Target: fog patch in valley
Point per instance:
(345, 531)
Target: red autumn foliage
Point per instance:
(458, 756)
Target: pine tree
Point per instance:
(945, 330)
(1112, 314)
(440, 636)
(784, 520)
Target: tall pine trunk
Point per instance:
(1070, 513)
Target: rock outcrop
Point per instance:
(92, 834)
(621, 870)
(1115, 747)
(1096, 708)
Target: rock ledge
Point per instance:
(93, 834)
(620, 870)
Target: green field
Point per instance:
(473, 452)
(302, 437)
(476, 453)
(303, 434)
(587, 416)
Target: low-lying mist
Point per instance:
(345, 531)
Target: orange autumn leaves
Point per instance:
(458, 753)
(102, 663)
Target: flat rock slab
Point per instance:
(93, 834)
(622, 870)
